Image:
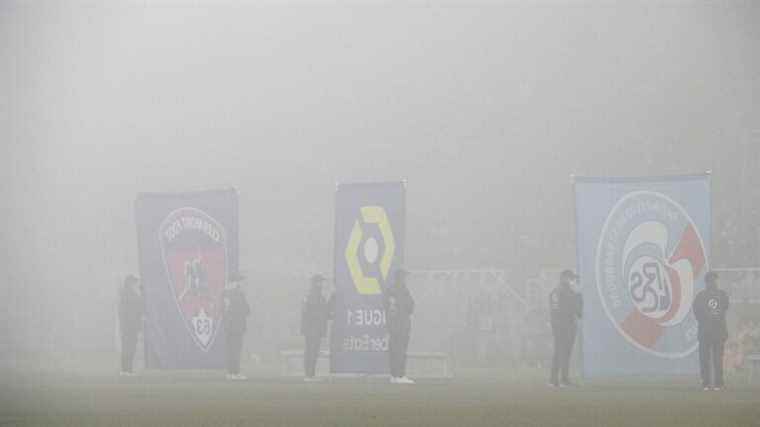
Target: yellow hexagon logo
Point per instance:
(370, 215)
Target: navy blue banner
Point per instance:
(369, 247)
(643, 251)
(188, 246)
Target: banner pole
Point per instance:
(708, 172)
(581, 355)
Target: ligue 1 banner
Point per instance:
(188, 246)
(369, 247)
(643, 251)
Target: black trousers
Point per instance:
(311, 354)
(711, 356)
(563, 348)
(128, 348)
(234, 347)
(397, 346)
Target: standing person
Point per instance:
(236, 312)
(710, 307)
(399, 306)
(314, 313)
(565, 307)
(130, 321)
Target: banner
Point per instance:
(643, 251)
(188, 246)
(369, 247)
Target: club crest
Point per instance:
(194, 250)
(650, 260)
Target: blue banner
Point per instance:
(188, 246)
(643, 251)
(369, 247)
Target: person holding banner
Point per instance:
(236, 312)
(399, 306)
(566, 307)
(710, 307)
(314, 314)
(130, 321)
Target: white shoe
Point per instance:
(394, 380)
(405, 380)
(124, 374)
(311, 380)
(231, 377)
(240, 377)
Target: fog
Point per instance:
(485, 108)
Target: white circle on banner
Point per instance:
(370, 250)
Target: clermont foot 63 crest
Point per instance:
(649, 258)
(194, 250)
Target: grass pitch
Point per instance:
(478, 398)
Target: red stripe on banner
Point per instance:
(690, 248)
(646, 331)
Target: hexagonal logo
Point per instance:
(370, 249)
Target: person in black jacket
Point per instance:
(399, 306)
(236, 312)
(710, 307)
(565, 308)
(314, 313)
(130, 321)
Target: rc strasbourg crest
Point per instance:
(194, 250)
(649, 259)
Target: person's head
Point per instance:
(569, 278)
(132, 282)
(399, 277)
(236, 281)
(711, 279)
(317, 281)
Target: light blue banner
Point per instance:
(643, 251)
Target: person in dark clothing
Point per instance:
(236, 313)
(565, 308)
(314, 313)
(399, 306)
(130, 321)
(710, 307)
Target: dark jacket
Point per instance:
(130, 311)
(236, 313)
(399, 306)
(565, 308)
(314, 314)
(710, 307)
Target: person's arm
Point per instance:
(579, 306)
(246, 306)
(304, 314)
(331, 307)
(727, 300)
(121, 306)
(695, 309)
(550, 306)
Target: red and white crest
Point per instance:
(194, 251)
